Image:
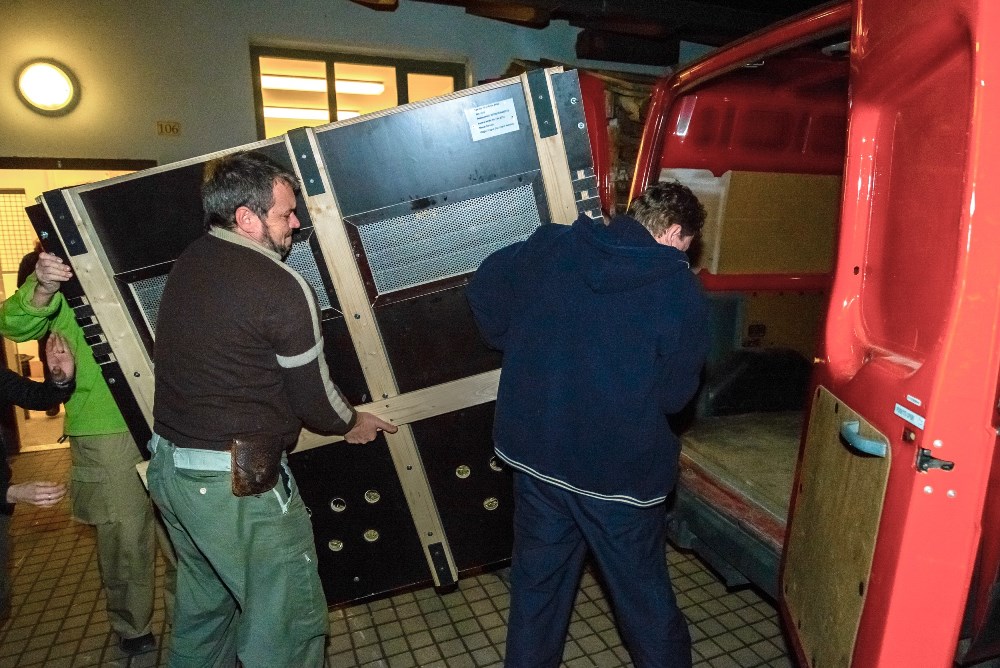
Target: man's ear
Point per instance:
(668, 236)
(674, 236)
(246, 220)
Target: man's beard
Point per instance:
(278, 248)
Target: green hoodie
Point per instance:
(91, 410)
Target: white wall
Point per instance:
(144, 61)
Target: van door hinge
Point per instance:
(926, 461)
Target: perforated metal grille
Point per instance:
(148, 291)
(301, 259)
(450, 240)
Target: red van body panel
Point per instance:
(914, 309)
(910, 340)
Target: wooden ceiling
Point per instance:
(633, 31)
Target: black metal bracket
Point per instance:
(926, 461)
(545, 116)
(63, 221)
(306, 160)
(440, 562)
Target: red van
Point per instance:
(840, 454)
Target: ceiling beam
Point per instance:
(640, 27)
(600, 45)
(379, 5)
(519, 14)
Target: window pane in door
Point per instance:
(423, 86)
(294, 92)
(362, 89)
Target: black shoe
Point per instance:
(133, 646)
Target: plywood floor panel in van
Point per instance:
(753, 456)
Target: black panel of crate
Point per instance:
(340, 475)
(433, 339)
(405, 157)
(149, 220)
(342, 360)
(474, 499)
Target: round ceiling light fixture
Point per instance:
(48, 87)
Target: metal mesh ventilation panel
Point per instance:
(445, 241)
(148, 291)
(302, 260)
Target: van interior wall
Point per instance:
(744, 426)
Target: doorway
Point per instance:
(22, 180)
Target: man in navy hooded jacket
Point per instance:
(604, 330)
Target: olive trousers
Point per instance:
(106, 492)
(247, 579)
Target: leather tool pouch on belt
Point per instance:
(256, 462)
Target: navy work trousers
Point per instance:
(553, 530)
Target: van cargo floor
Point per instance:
(733, 493)
(753, 455)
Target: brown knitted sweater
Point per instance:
(239, 349)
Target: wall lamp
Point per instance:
(48, 87)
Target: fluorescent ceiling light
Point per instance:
(297, 114)
(278, 82)
(359, 87)
(318, 85)
(344, 114)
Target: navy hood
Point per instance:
(604, 247)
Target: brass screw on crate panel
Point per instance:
(338, 505)
(335, 545)
(371, 535)
(372, 496)
(491, 503)
(463, 471)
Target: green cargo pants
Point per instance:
(106, 492)
(247, 579)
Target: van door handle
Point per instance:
(850, 431)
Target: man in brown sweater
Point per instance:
(239, 369)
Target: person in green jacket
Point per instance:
(105, 489)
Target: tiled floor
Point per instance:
(58, 618)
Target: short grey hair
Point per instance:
(245, 178)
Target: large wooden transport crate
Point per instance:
(398, 208)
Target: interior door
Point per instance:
(888, 509)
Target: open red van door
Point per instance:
(875, 262)
(894, 533)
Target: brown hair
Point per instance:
(668, 203)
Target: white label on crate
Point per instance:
(911, 417)
(913, 400)
(490, 120)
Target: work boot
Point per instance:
(138, 645)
